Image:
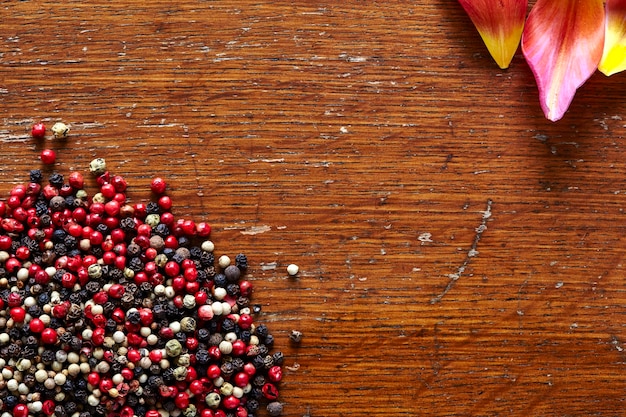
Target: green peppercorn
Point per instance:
(173, 348)
(188, 324)
(180, 373)
(152, 220)
(190, 411)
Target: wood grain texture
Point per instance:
(362, 141)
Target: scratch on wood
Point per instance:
(473, 252)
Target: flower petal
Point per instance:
(500, 24)
(614, 55)
(562, 43)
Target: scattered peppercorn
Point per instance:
(111, 308)
(38, 131)
(292, 269)
(48, 156)
(295, 336)
(60, 130)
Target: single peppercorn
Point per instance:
(48, 156)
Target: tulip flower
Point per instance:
(614, 56)
(563, 42)
(500, 24)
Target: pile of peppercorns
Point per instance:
(111, 309)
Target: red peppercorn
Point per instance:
(108, 191)
(156, 355)
(192, 343)
(196, 387)
(178, 300)
(230, 402)
(182, 400)
(38, 131)
(270, 391)
(36, 325)
(14, 202)
(14, 299)
(49, 336)
(112, 208)
(172, 269)
(165, 203)
(213, 371)
(245, 288)
(18, 314)
(171, 242)
(241, 379)
(239, 347)
(48, 407)
(178, 282)
(275, 373)
(20, 410)
(158, 185)
(22, 253)
(118, 315)
(146, 316)
(207, 412)
(93, 378)
(192, 375)
(105, 384)
(119, 183)
(127, 411)
(116, 291)
(76, 180)
(48, 156)
(192, 287)
(203, 229)
(68, 280)
(153, 413)
(167, 218)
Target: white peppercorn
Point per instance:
(60, 130)
(292, 269)
(98, 166)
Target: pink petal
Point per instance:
(562, 43)
(614, 55)
(500, 24)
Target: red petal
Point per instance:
(562, 43)
(500, 24)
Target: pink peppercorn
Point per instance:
(158, 185)
(20, 410)
(49, 336)
(48, 156)
(38, 131)
(275, 373)
(36, 325)
(230, 402)
(18, 314)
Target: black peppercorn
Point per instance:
(261, 330)
(183, 241)
(252, 406)
(278, 357)
(36, 176)
(220, 280)
(56, 180)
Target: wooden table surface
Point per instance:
(459, 254)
